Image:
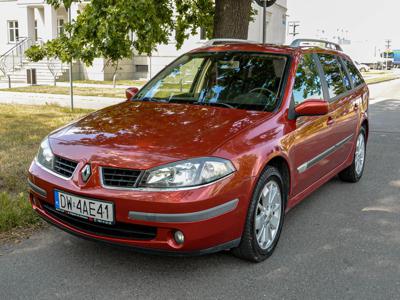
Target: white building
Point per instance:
(24, 22)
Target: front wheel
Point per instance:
(264, 218)
(355, 171)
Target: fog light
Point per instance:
(179, 237)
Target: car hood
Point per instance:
(146, 134)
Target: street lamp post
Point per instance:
(71, 87)
(264, 21)
(264, 4)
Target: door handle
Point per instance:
(330, 121)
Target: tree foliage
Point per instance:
(104, 28)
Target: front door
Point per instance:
(312, 137)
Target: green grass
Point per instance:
(63, 90)
(376, 72)
(381, 79)
(15, 211)
(22, 128)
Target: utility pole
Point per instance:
(293, 25)
(388, 43)
(71, 87)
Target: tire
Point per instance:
(354, 172)
(363, 70)
(252, 248)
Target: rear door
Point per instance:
(343, 106)
(360, 89)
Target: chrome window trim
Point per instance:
(54, 173)
(146, 189)
(185, 217)
(308, 164)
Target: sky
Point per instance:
(367, 22)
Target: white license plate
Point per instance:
(92, 210)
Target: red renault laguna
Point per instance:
(211, 153)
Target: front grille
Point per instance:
(118, 230)
(64, 167)
(121, 178)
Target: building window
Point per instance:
(13, 32)
(142, 68)
(36, 31)
(203, 34)
(60, 27)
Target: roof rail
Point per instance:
(227, 41)
(316, 43)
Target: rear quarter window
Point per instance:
(355, 75)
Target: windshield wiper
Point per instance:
(218, 104)
(150, 99)
(177, 100)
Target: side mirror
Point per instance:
(130, 92)
(312, 107)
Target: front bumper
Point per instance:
(211, 218)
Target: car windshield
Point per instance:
(242, 80)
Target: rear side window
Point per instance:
(307, 84)
(354, 73)
(335, 75)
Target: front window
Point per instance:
(13, 32)
(242, 80)
(308, 82)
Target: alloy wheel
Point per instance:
(268, 214)
(360, 154)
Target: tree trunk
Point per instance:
(232, 19)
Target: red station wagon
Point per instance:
(211, 153)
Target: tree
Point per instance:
(104, 27)
(232, 19)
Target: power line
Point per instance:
(293, 25)
(388, 43)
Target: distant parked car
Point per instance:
(362, 67)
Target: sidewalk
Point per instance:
(89, 102)
(4, 85)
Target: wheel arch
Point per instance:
(281, 163)
(365, 124)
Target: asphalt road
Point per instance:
(343, 242)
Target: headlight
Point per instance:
(45, 156)
(187, 173)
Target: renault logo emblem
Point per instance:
(86, 172)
